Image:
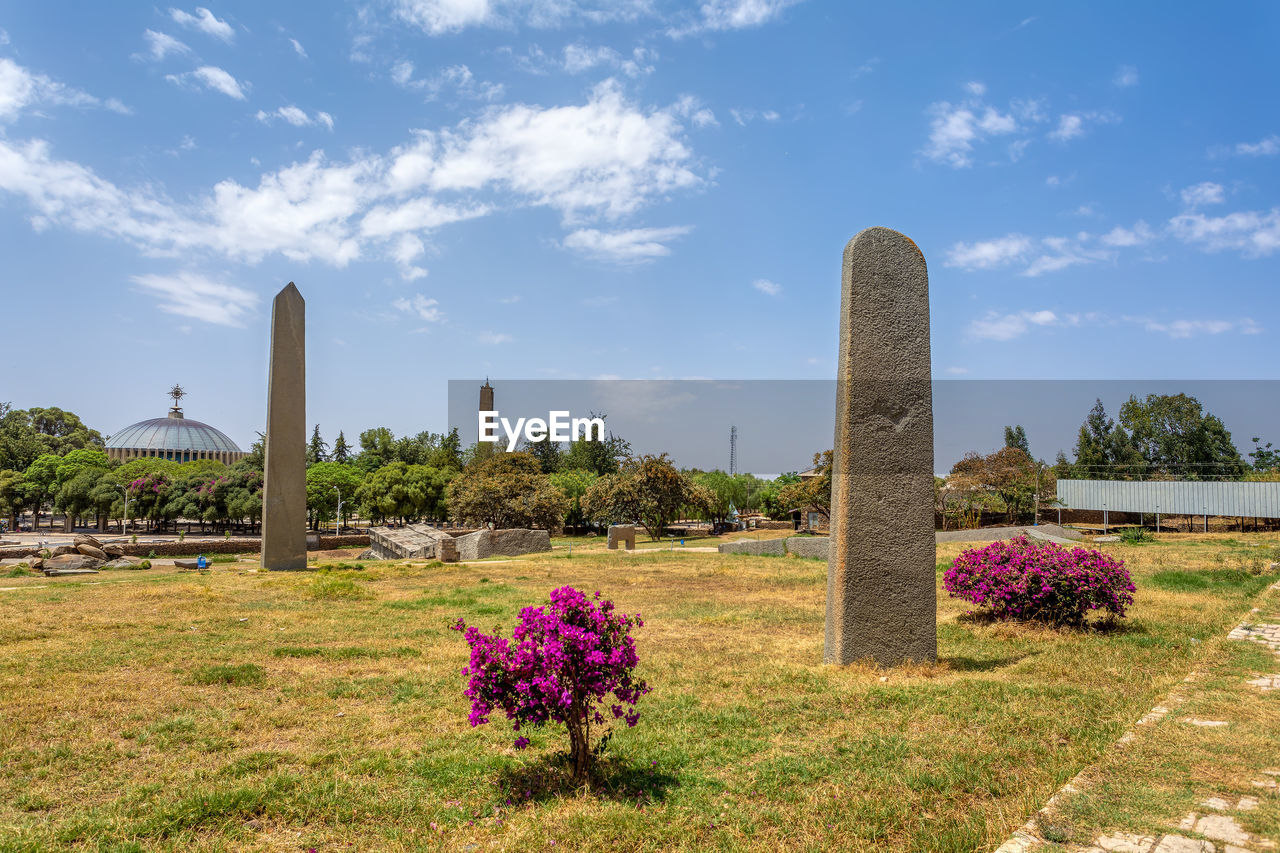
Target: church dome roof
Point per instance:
(172, 433)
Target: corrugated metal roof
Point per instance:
(172, 434)
(1184, 497)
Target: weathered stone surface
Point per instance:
(123, 563)
(755, 547)
(1125, 842)
(367, 554)
(284, 490)
(473, 546)
(817, 547)
(414, 541)
(54, 573)
(113, 550)
(621, 534)
(18, 552)
(507, 543)
(447, 550)
(60, 550)
(68, 562)
(187, 565)
(91, 551)
(881, 602)
(1182, 844)
(83, 539)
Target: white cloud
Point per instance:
(743, 116)
(211, 77)
(1126, 75)
(1042, 255)
(298, 48)
(419, 307)
(1203, 194)
(637, 245)
(457, 79)
(1253, 233)
(1192, 328)
(296, 116)
(598, 161)
(693, 109)
(21, 88)
(204, 21)
(578, 58)
(1267, 147)
(494, 338)
(437, 17)
(160, 45)
(767, 287)
(189, 294)
(4, 36)
(1000, 327)
(719, 15)
(1074, 125)
(976, 87)
(1122, 237)
(989, 254)
(956, 127)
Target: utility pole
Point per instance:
(337, 524)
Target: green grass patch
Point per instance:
(239, 674)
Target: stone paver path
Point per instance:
(1216, 827)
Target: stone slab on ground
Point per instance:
(507, 543)
(56, 573)
(70, 562)
(415, 541)
(621, 534)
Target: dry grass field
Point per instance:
(240, 710)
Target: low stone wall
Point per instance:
(808, 546)
(506, 543)
(756, 547)
(775, 525)
(229, 546)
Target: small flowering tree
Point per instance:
(561, 665)
(1041, 581)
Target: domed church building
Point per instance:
(176, 437)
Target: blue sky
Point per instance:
(630, 188)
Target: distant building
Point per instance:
(174, 437)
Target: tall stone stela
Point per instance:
(284, 490)
(881, 598)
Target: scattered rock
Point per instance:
(1182, 844)
(1222, 828)
(113, 550)
(125, 563)
(83, 539)
(187, 565)
(59, 550)
(366, 554)
(1124, 842)
(71, 562)
(91, 551)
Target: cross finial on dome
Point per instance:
(177, 394)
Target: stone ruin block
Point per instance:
(622, 534)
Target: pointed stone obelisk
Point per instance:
(284, 489)
(881, 594)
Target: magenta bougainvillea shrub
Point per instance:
(564, 662)
(1041, 581)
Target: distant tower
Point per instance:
(486, 396)
(733, 451)
(177, 394)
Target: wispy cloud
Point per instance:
(456, 79)
(21, 88)
(419, 307)
(746, 115)
(720, 15)
(211, 77)
(1074, 125)
(298, 48)
(995, 326)
(204, 21)
(1252, 232)
(494, 338)
(1202, 194)
(767, 287)
(160, 45)
(635, 245)
(189, 294)
(296, 116)
(1125, 76)
(579, 57)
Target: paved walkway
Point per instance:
(1215, 823)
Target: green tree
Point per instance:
(507, 490)
(377, 448)
(341, 450)
(1104, 450)
(1175, 436)
(75, 478)
(599, 457)
(325, 481)
(27, 433)
(13, 497)
(549, 454)
(39, 482)
(317, 448)
(573, 484)
(404, 492)
(1264, 458)
(647, 489)
(813, 491)
(1016, 436)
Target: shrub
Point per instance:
(560, 665)
(1135, 535)
(1040, 581)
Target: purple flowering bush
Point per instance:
(562, 665)
(1042, 581)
